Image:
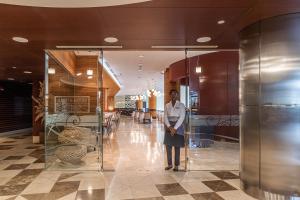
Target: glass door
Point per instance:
(73, 110)
(213, 122)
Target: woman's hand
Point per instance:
(172, 131)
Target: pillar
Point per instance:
(139, 104)
(270, 108)
(152, 105)
(111, 103)
(169, 85)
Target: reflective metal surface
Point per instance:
(270, 108)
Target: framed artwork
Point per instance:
(72, 104)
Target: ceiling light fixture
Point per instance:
(198, 69)
(203, 39)
(111, 40)
(88, 47)
(89, 72)
(79, 74)
(27, 72)
(162, 72)
(90, 77)
(186, 47)
(20, 39)
(10, 79)
(141, 56)
(14, 67)
(51, 70)
(221, 21)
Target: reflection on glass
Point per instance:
(73, 137)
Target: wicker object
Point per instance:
(72, 134)
(71, 153)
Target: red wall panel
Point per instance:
(217, 86)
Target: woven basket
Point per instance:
(70, 135)
(71, 153)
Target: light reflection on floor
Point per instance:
(138, 162)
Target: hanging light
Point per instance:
(198, 69)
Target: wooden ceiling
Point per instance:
(137, 26)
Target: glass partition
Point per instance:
(73, 114)
(213, 122)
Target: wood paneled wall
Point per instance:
(15, 106)
(85, 86)
(169, 84)
(217, 86)
(66, 58)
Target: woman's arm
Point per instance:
(167, 123)
(181, 117)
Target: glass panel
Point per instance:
(213, 142)
(73, 139)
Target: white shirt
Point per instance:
(177, 111)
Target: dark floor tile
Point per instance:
(14, 157)
(225, 175)
(6, 190)
(218, 185)
(61, 189)
(33, 147)
(31, 172)
(25, 177)
(34, 196)
(207, 196)
(40, 160)
(38, 153)
(16, 166)
(91, 194)
(7, 142)
(19, 137)
(66, 176)
(171, 189)
(6, 147)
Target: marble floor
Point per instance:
(134, 161)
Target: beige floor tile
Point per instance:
(235, 195)
(179, 197)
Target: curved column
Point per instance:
(270, 108)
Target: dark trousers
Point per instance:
(169, 155)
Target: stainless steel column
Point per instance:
(270, 108)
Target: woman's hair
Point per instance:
(173, 90)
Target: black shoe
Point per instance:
(176, 169)
(168, 168)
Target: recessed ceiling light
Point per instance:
(221, 21)
(90, 77)
(10, 79)
(27, 72)
(204, 39)
(141, 56)
(79, 74)
(111, 40)
(20, 39)
(14, 67)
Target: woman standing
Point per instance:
(174, 129)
